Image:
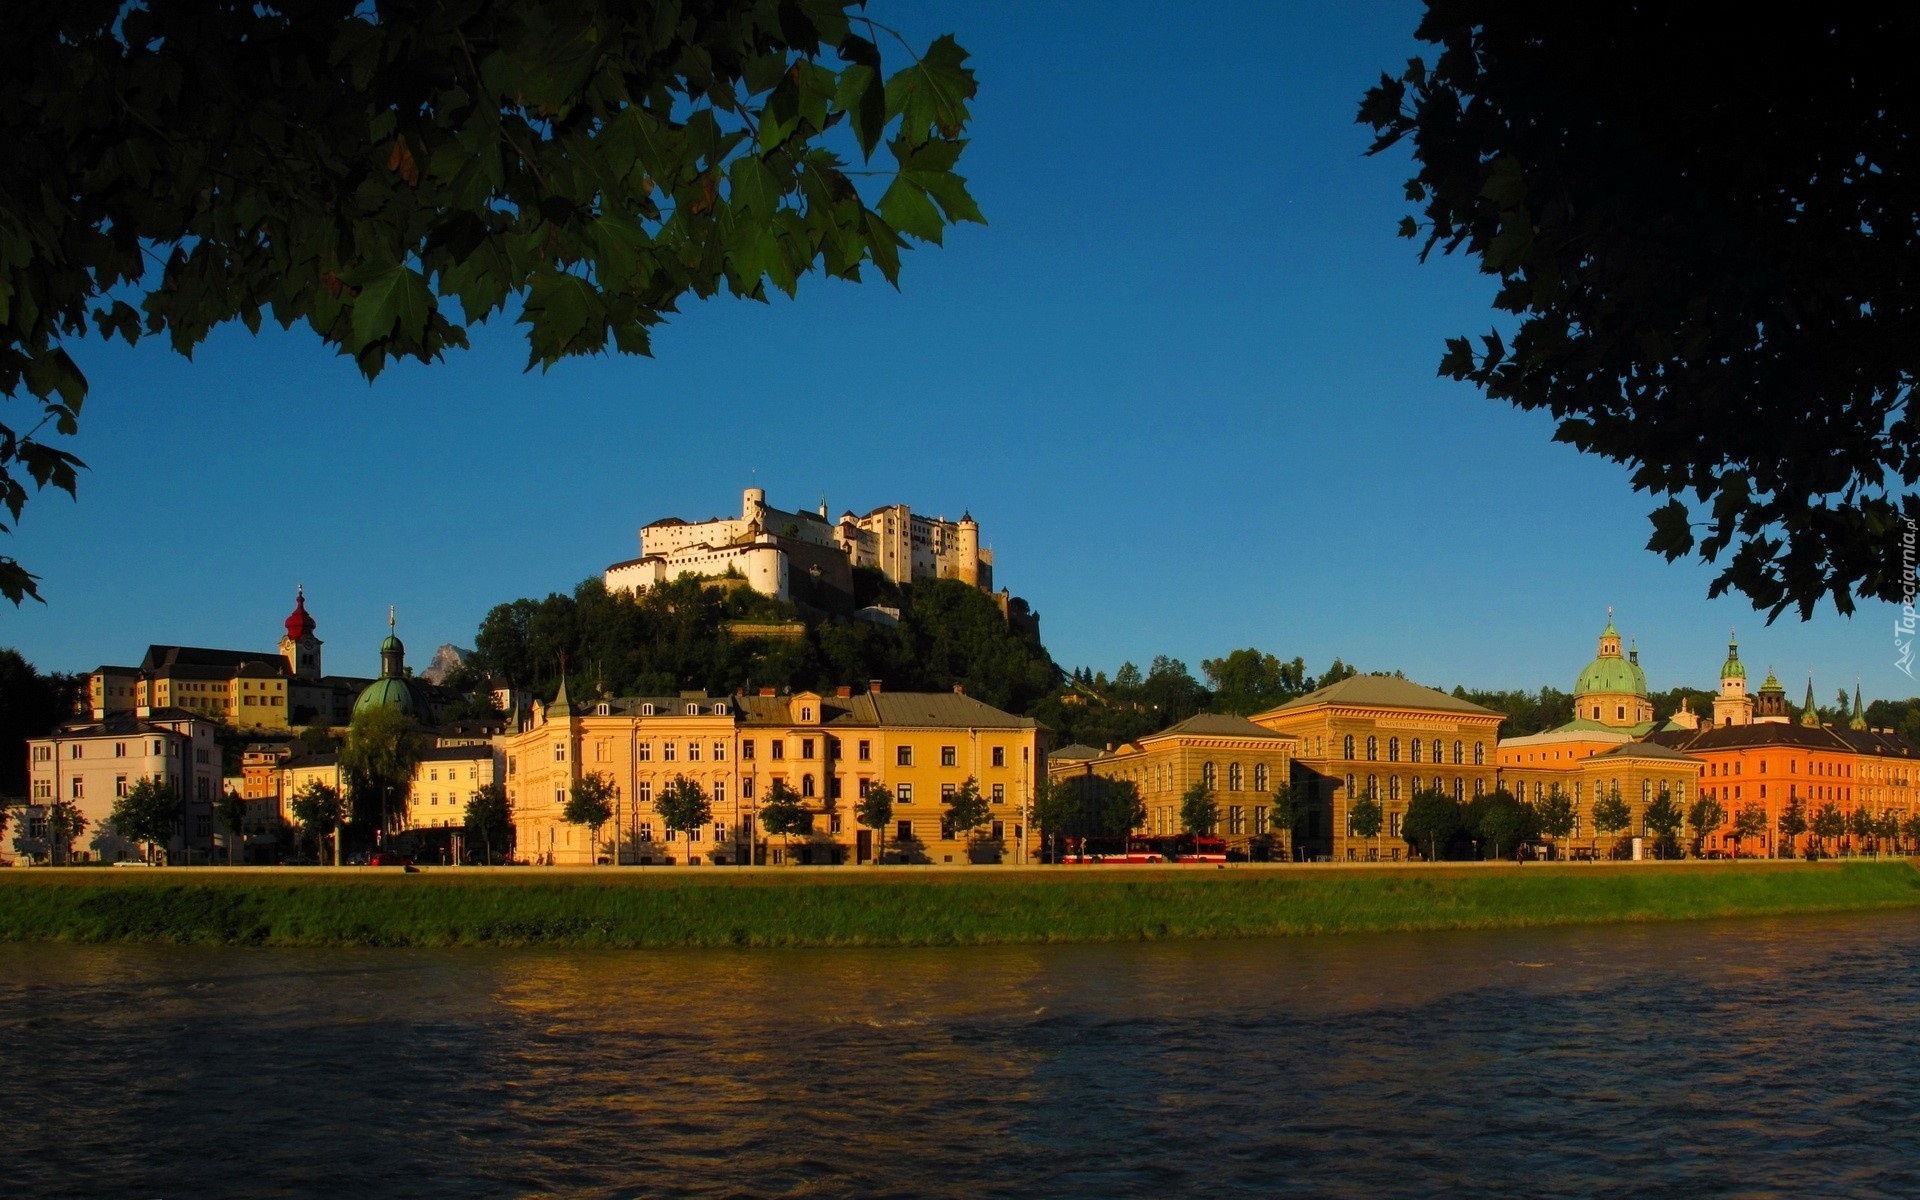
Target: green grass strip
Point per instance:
(664, 907)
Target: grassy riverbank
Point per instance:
(849, 907)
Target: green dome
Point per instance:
(1733, 668)
(1611, 673)
(1772, 685)
(392, 645)
(387, 693)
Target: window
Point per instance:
(119, 785)
(1393, 824)
(1479, 787)
(719, 752)
(866, 751)
(644, 794)
(947, 791)
(999, 793)
(693, 710)
(1373, 749)
(1436, 752)
(1259, 777)
(904, 793)
(79, 791)
(1413, 750)
(719, 792)
(806, 747)
(1234, 777)
(746, 750)
(806, 785)
(948, 756)
(833, 822)
(719, 710)
(119, 749)
(999, 756)
(1209, 775)
(42, 753)
(1259, 819)
(1393, 787)
(1373, 786)
(559, 752)
(667, 752)
(903, 756)
(43, 789)
(946, 829)
(1456, 791)
(719, 831)
(1479, 754)
(777, 749)
(1349, 786)
(646, 710)
(1347, 747)
(1393, 749)
(1236, 819)
(746, 788)
(693, 751)
(806, 714)
(903, 832)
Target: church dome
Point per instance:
(1772, 685)
(1733, 668)
(299, 622)
(387, 693)
(1611, 673)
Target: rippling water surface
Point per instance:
(1749, 1058)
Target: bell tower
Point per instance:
(1733, 706)
(299, 647)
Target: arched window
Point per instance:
(1436, 786)
(1393, 787)
(1259, 777)
(806, 785)
(1373, 786)
(1393, 749)
(1479, 787)
(1348, 746)
(1456, 791)
(1349, 787)
(1373, 749)
(1209, 776)
(1457, 760)
(1539, 791)
(1234, 777)
(1646, 790)
(1413, 750)
(1479, 754)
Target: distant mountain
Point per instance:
(445, 659)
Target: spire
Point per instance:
(299, 623)
(1810, 715)
(1733, 668)
(1633, 652)
(1859, 720)
(393, 653)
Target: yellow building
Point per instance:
(1385, 736)
(237, 688)
(1240, 762)
(827, 749)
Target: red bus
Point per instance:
(1146, 848)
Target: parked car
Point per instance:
(358, 858)
(387, 858)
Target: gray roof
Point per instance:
(1215, 725)
(1077, 752)
(1645, 750)
(1386, 691)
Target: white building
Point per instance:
(92, 762)
(770, 548)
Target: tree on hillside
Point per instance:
(388, 177)
(383, 747)
(1248, 681)
(782, 816)
(490, 820)
(874, 810)
(1364, 817)
(1749, 822)
(149, 813)
(590, 804)
(1794, 825)
(1199, 809)
(1689, 219)
(31, 704)
(1433, 820)
(1704, 816)
(1610, 815)
(1664, 818)
(683, 807)
(316, 809)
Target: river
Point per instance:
(1758, 1057)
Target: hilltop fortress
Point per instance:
(778, 553)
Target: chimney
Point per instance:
(766, 691)
(959, 690)
(873, 686)
(843, 692)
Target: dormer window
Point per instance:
(604, 709)
(693, 710)
(646, 710)
(720, 710)
(806, 714)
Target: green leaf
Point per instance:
(1672, 530)
(906, 207)
(397, 299)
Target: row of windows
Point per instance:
(1236, 777)
(1543, 789)
(1393, 791)
(1414, 750)
(776, 751)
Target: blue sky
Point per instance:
(1184, 380)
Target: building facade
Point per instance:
(1387, 737)
(827, 749)
(91, 762)
(1240, 762)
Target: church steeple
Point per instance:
(1810, 715)
(1859, 720)
(393, 652)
